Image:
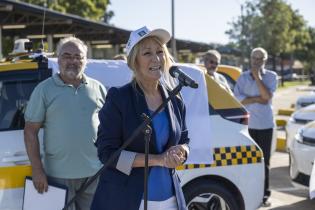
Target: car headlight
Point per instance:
(299, 136)
(292, 120)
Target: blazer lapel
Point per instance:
(141, 107)
(139, 102)
(170, 113)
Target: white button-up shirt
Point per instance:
(261, 115)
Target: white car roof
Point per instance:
(305, 113)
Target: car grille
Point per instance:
(309, 141)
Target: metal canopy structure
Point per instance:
(23, 19)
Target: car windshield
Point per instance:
(14, 96)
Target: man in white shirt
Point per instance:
(255, 89)
(212, 59)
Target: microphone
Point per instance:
(183, 78)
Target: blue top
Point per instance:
(160, 184)
(260, 115)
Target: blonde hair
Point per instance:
(131, 61)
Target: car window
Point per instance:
(229, 80)
(14, 96)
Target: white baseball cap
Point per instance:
(141, 33)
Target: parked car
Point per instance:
(302, 154)
(305, 100)
(222, 167)
(298, 119)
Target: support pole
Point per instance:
(50, 43)
(89, 52)
(1, 54)
(173, 32)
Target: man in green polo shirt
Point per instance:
(66, 105)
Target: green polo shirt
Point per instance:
(70, 121)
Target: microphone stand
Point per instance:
(141, 128)
(147, 135)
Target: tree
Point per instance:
(92, 9)
(271, 24)
(242, 30)
(307, 55)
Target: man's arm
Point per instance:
(241, 96)
(265, 94)
(32, 147)
(255, 99)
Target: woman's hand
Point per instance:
(174, 156)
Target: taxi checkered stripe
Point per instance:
(225, 156)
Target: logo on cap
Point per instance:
(142, 33)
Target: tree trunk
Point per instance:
(282, 71)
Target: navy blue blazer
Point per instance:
(119, 117)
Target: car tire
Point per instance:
(209, 195)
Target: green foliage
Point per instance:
(294, 83)
(7, 45)
(271, 24)
(92, 9)
(308, 54)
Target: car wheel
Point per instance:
(293, 167)
(209, 195)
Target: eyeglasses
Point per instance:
(69, 57)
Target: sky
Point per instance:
(195, 20)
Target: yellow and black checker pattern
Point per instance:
(225, 156)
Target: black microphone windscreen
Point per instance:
(172, 71)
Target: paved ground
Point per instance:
(285, 195)
(284, 98)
